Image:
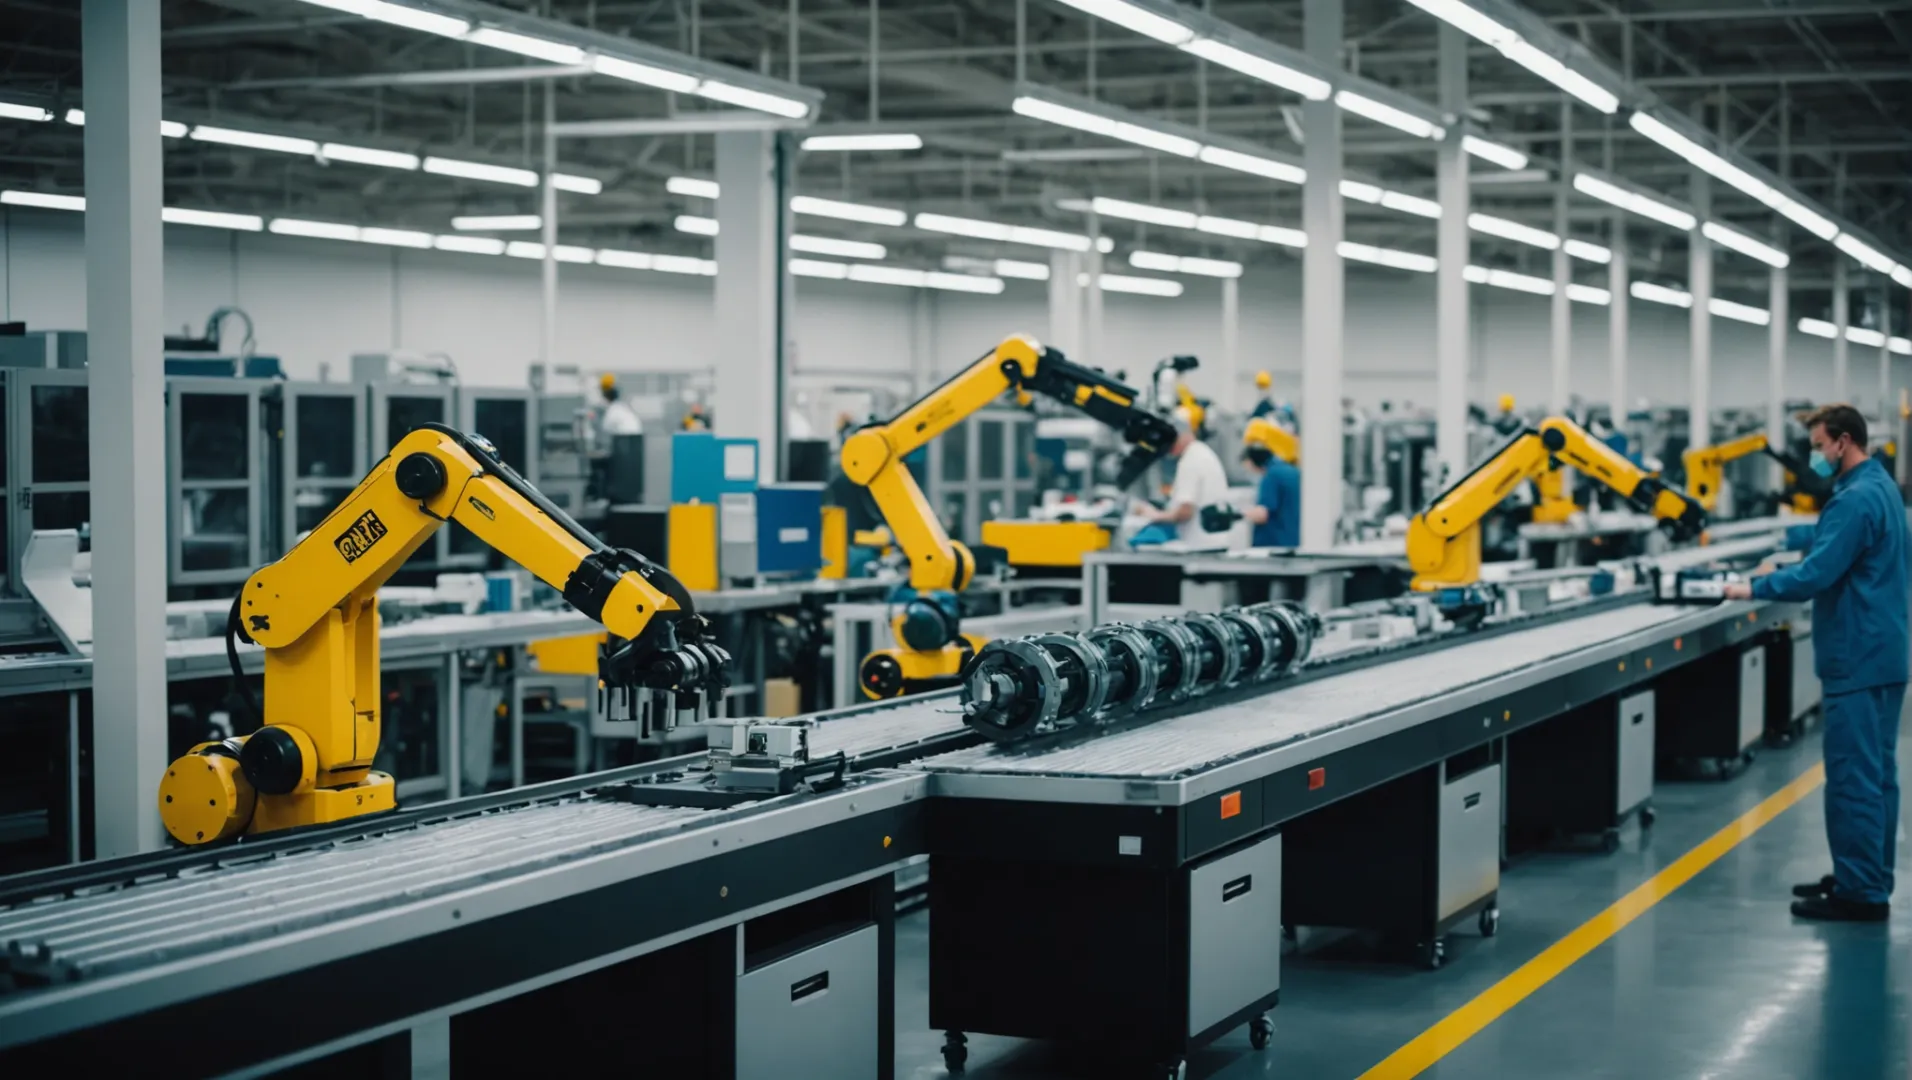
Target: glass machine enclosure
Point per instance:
(509, 418)
(322, 452)
(216, 451)
(45, 446)
(394, 410)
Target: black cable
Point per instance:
(240, 688)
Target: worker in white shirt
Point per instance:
(1199, 481)
(617, 418)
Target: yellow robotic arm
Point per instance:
(928, 625)
(315, 612)
(1273, 438)
(1443, 542)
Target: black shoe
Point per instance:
(1835, 908)
(1822, 887)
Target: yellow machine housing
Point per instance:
(693, 551)
(1272, 437)
(315, 612)
(873, 459)
(1556, 500)
(1443, 541)
(835, 541)
(1045, 543)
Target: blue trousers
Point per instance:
(1862, 789)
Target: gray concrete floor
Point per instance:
(1717, 981)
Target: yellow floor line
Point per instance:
(1467, 1021)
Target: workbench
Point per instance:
(1130, 586)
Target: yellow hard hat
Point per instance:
(1263, 380)
(1507, 403)
(607, 381)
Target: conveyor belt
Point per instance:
(1177, 747)
(223, 906)
(891, 729)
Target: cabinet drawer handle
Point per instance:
(1471, 800)
(815, 984)
(1238, 887)
(1639, 718)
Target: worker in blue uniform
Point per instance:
(1855, 575)
(1276, 514)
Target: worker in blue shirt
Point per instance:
(1276, 514)
(1855, 575)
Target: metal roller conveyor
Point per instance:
(1025, 687)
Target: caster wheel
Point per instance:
(1172, 1070)
(1260, 1031)
(1610, 841)
(1489, 921)
(1432, 954)
(1648, 816)
(955, 1052)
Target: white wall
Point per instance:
(316, 302)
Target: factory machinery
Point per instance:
(1153, 803)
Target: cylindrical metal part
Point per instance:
(1133, 670)
(1221, 647)
(1180, 655)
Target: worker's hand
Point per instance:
(1738, 590)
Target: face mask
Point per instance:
(1820, 465)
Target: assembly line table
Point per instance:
(1132, 585)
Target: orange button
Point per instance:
(1231, 805)
(1317, 778)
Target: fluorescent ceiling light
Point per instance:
(1140, 286)
(1632, 201)
(366, 155)
(1105, 244)
(525, 45)
(1818, 328)
(627, 260)
(1727, 309)
(172, 129)
(1180, 264)
(1745, 245)
(1863, 253)
(254, 140)
(630, 71)
(775, 104)
(1581, 249)
(1513, 230)
(1382, 113)
(44, 202)
(1016, 268)
(684, 264)
(24, 112)
(1222, 157)
(470, 245)
(1399, 260)
(845, 211)
(476, 170)
(1698, 155)
(323, 230)
(1902, 275)
(1660, 294)
(1589, 294)
(819, 268)
(409, 238)
(889, 141)
(1860, 335)
(529, 249)
(1156, 140)
(212, 219)
(1257, 67)
(1810, 220)
(1467, 20)
(847, 249)
(1410, 204)
(968, 283)
(583, 185)
(701, 226)
(886, 275)
(1507, 279)
(1221, 226)
(1131, 17)
(1153, 215)
(498, 223)
(1276, 234)
(1050, 112)
(1550, 68)
(692, 186)
(1504, 156)
(1010, 234)
(411, 18)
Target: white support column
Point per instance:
(1886, 412)
(1450, 287)
(1065, 302)
(1841, 321)
(1560, 318)
(752, 292)
(1323, 301)
(1227, 377)
(1094, 345)
(1699, 401)
(1618, 310)
(1778, 294)
(125, 282)
(548, 311)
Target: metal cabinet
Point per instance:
(216, 451)
(322, 452)
(1234, 932)
(1468, 865)
(981, 469)
(814, 1013)
(1633, 781)
(508, 418)
(46, 421)
(394, 410)
(1752, 696)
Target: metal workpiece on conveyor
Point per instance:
(1019, 688)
